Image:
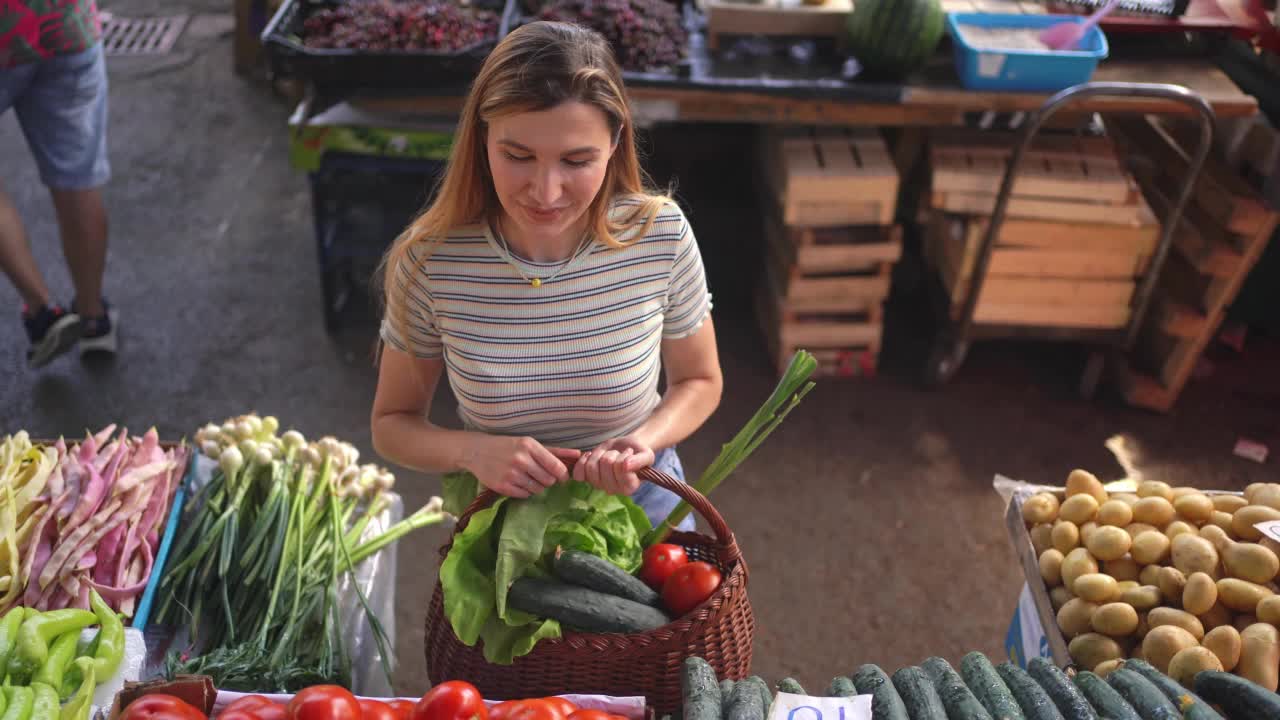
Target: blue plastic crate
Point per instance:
(1023, 70)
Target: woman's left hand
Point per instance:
(612, 465)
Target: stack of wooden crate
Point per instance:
(831, 245)
(1077, 233)
(1224, 231)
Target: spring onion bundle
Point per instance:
(256, 568)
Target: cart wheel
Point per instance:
(943, 362)
(1093, 368)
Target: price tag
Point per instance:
(1270, 528)
(802, 707)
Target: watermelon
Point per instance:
(893, 38)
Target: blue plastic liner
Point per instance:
(143, 613)
(1023, 70)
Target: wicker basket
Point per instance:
(721, 630)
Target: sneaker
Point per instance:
(52, 331)
(98, 335)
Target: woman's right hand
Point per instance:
(517, 466)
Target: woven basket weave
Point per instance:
(720, 630)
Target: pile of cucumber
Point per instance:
(981, 691)
(589, 594)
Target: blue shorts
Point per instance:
(659, 502)
(62, 106)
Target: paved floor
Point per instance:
(868, 520)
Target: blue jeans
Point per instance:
(659, 502)
(61, 104)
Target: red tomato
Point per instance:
(659, 562)
(324, 702)
(689, 586)
(564, 707)
(403, 708)
(592, 715)
(376, 710)
(259, 707)
(453, 700)
(238, 715)
(158, 706)
(536, 710)
(503, 710)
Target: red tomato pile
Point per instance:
(447, 701)
(684, 585)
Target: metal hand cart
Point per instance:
(953, 340)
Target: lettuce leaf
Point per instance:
(514, 538)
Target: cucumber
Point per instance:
(1104, 698)
(1071, 703)
(841, 686)
(885, 701)
(746, 702)
(596, 573)
(1146, 698)
(582, 609)
(726, 688)
(1192, 707)
(1241, 699)
(981, 677)
(762, 687)
(960, 702)
(918, 696)
(699, 690)
(1034, 701)
(789, 685)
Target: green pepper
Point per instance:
(106, 649)
(20, 701)
(61, 653)
(46, 706)
(32, 648)
(82, 702)
(9, 625)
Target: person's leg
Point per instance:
(657, 502)
(82, 218)
(16, 259)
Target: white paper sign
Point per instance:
(1270, 528)
(802, 707)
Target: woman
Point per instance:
(553, 288)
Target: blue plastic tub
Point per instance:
(1023, 70)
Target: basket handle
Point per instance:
(729, 550)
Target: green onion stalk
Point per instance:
(280, 524)
(791, 389)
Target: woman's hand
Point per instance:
(517, 466)
(612, 465)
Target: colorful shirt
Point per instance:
(571, 363)
(33, 30)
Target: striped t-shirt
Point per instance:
(572, 363)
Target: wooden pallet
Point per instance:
(1061, 168)
(775, 17)
(843, 344)
(831, 177)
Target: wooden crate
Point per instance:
(831, 177)
(775, 17)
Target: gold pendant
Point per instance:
(536, 282)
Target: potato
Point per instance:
(1154, 511)
(1123, 569)
(1041, 508)
(1217, 616)
(1172, 582)
(1136, 529)
(1066, 536)
(1163, 642)
(1151, 548)
(1228, 503)
(1240, 622)
(1076, 617)
(1051, 567)
(1087, 530)
(1268, 495)
(1108, 667)
(1144, 627)
(1225, 643)
(1180, 527)
(1183, 491)
(1251, 562)
(1115, 619)
(1260, 655)
(1170, 616)
(1224, 520)
(1096, 588)
(1242, 595)
(1184, 666)
(1271, 545)
(1196, 507)
(1269, 610)
(1251, 490)
(1041, 537)
(1129, 499)
(1149, 575)
(1193, 554)
(1077, 562)
(1200, 594)
(1155, 488)
(1093, 649)
(1115, 512)
(1217, 536)
(1144, 597)
(1079, 509)
(1244, 519)
(1109, 543)
(1059, 596)
(1083, 482)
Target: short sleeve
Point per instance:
(418, 333)
(688, 298)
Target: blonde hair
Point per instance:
(536, 67)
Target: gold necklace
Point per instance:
(535, 281)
